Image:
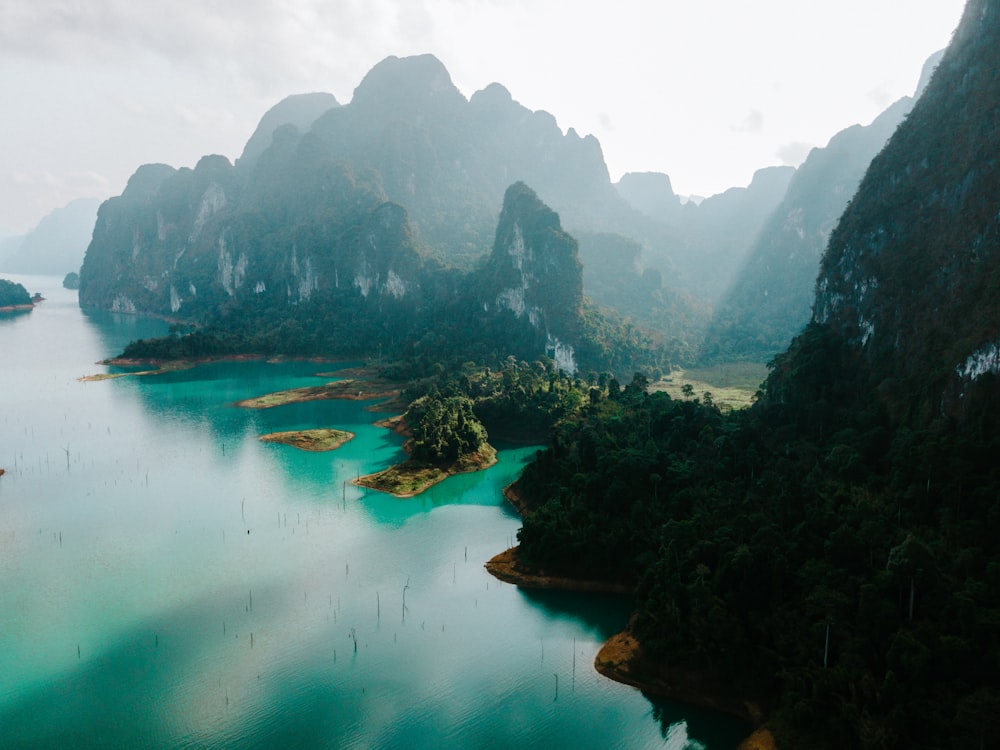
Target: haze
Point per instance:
(706, 92)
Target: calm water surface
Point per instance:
(168, 581)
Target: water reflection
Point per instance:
(684, 726)
(141, 516)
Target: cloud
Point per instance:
(260, 42)
(794, 153)
(881, 97)
(753, 123)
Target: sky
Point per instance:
(707, 91)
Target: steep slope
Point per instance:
(771, 297)
(703, 244)
(911, 276)
(447, 159)
(534, 273)
(298, 110)
(830, 553)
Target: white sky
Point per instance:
(707, 91)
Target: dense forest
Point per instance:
(831, 552)
(524, 300)
(839, 571)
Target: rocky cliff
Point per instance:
(772, 294)
(534, 274)
(912, 272)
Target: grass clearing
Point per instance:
(732, 384)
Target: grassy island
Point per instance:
(321, 439)
(445, 438)
(414, 476)
(355, 390)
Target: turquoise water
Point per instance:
(167, 580)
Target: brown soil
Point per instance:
(761, 739)
(411, 477)
(512, 492)
(353, 390)
(320, 439)
(507, 567)
(621, 659)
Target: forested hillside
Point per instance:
(830, 553)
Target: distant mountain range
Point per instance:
(180, 243)
(56, 246)
(410, 138)
(770, 298)
(828, 555)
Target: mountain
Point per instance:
(309, 261)
(826, 559)
(771, 297)
(299, 110)
(57, 244)
(290, 221)
(534, 272)
(910, 279)
(651, 194)
(702, 244)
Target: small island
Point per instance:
(15, 298)
(320, 439)
(445, 438)
(354, 390)
(412, 477)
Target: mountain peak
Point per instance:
(300, 110)
(535, 272)
(403, 85)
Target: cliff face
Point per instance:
(534, 273)
(912, 272)
(287, 221)
(771, 298)
(185, 243)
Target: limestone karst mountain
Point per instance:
(771, 297)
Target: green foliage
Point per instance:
(749, 534)
(443, 428)
(12, 294)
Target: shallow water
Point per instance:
(167, 580)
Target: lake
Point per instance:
(169, 581)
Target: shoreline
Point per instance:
(419, 476)
(18, 308)
(506, 566)
(316, 440)
(620, 658)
